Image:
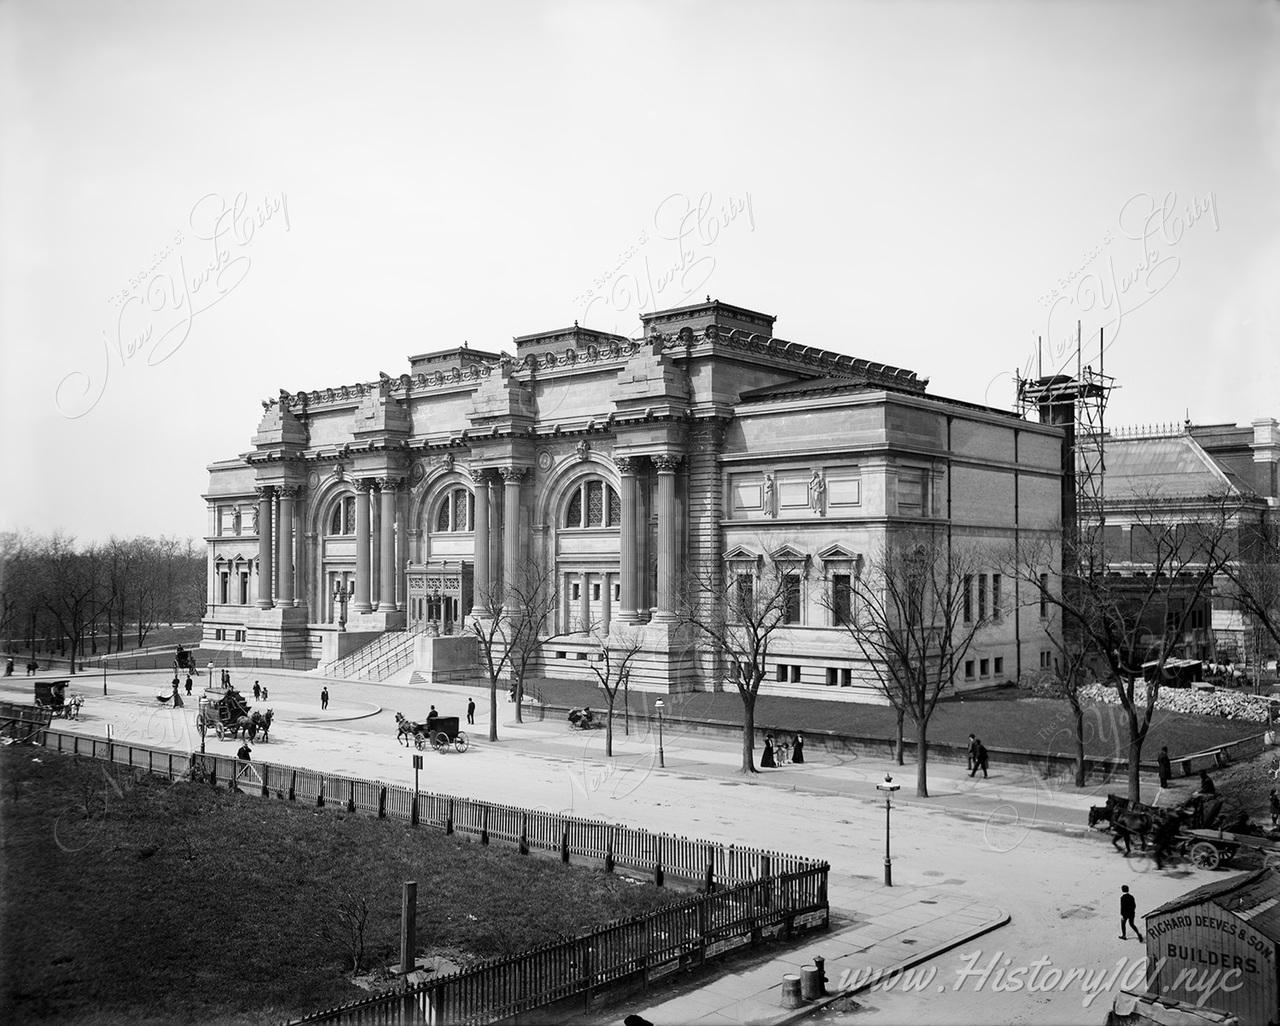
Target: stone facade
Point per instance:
(618, 463)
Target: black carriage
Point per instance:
(184, 660)
(441, 732)
(52, 695)
(221, 712)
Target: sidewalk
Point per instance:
(887, 931)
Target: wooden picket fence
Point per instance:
(749, 894)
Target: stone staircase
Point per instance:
(378, 660)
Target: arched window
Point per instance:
(343, 518)
(456, 512)
(593, 503)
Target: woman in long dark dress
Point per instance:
(177, 699)
(766, 757)
(797, 750)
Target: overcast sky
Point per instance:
(931, 185)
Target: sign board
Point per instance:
(417, 762)
(810, 919)
(728, 944)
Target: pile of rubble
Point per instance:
(1202, 702)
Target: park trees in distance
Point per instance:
(510, 633)
(1127, 626)
(910, 613)
(736, 614)
(611, 665)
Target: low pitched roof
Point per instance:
(1168, 465)
(1253, 897)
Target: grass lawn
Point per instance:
(135, 900)
(1008, 721)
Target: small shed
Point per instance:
(1222, 939)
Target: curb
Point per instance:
(917, 958)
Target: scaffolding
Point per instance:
(1078, 404)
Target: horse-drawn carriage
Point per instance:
(184, 660)
(226, 712)
(1202, 829)
(437, 731)
(52, 695)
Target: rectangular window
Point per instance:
(846, 678)
(833, 676)
(791, 598)
(244, 587)
(577, 590)
(781, 673)
(240, 635)
(224, 587)
(995, 598)
(595, 593)
(984, 667)
(968, 669)
(982, 597)
(841, 599)
(911, 493)
(746, 590)
(1044, 596)
(795, 674)
(617, 593)
(1046, 660)
(968, 598)
(998, 665)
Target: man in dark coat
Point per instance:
(979, 758)
(972, 754)
(324, 698)
(471, 710)
(1165, 768)
(1128, 909)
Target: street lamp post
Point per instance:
(343, 595)
(888, 787)
(661, 757)
(204, 701)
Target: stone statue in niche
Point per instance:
(255, 519)
(235, 520)
(817, 493)
(768, 495)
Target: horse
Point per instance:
(264, 724)
(406, 729)
(1124, 823)
(247, 726)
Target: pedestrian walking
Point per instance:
(471, 713)
(979, 758)
(177, 699)
(767, 760)
(257, 691)
(797, 751)
(264, 694)
(175, 684)
(1275, 808)
(8, 668)
(188, 684)
(1162, 763)
(1128, 909)
(324, 698)
(973, 753)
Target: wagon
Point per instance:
(442, 732)
(1208, 849)
(52, 695)
(220, 711)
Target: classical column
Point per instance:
(668, 535)
(284, 544)
(363, 604)
(584, 605)
(387, 546)
(627, 612)
(511, 477)
(375, 535)
(300, 570)
(606, 600)
(480, 559)
(264, 547)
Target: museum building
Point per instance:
(396, 507)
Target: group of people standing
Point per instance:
(779, 753)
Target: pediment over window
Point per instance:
(837, 554)
(788, 554)
(741, 554)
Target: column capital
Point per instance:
(364, 484)
(667, 463)
(389, 484)
(479, 474)
(510, 474)
(265, 491)
(627, 464)
(292, 491)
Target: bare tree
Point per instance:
(515, 630)
(1124, 627)
(614, 653)
(738, 615)
(913, 623)
(346, 925)
(1254, 576)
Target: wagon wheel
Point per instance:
(460, 742)
(440, 741)
(1204, 855)
(419, 741)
